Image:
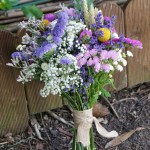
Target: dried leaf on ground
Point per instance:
(118, 140)
(100, 110)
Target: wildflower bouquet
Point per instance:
(75, 53)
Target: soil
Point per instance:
(131, 104)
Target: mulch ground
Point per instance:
(131, 104)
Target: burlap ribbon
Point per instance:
(83, 122)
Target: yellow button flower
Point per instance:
(106, 35)
(43, 24)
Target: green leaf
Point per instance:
(7, 4)
(48, 55)
(32, 11)
(105, 93)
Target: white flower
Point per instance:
(49, 38)
(115, 35)
(119, 67)
(129, 54)
(124, 62)
(44, 66)
(111, 67)
(115, 63)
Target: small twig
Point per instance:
(45, 127)
(3, 143)
(59, 118)
(111, 106)
(124, 99)
(36, 126)
(65, 132)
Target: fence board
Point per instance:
(110, 9)
(36, 103)
(13, 106)
(137, 21)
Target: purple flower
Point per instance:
(109, 22)
(99, 33)
(85, 33)
(59, 28)
(50, 17)
(93, 40)
(99, 20)
(90, 79)
(70, 11)
(17, 55)
(39, 52)
(134, 43)
(65, 61)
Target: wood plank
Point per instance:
(13, 105)
(109, 9)
(137, 21)
(36, 103)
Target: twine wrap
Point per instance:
(83, 122)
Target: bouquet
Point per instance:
(74, 52)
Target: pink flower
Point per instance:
(87, 54)
(113, 54)
(85, 33)
(96, 59)
(82, 61)
(90, 62)
(106, 67)
(79, 56)
(104, 54)
(97, 67)
(93, 52)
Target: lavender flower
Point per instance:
(99, 20)
(59, 28)
(109, 22)
(39, 52)
(65, 61)
(17, 55)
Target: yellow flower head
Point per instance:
(106, 35)
(43, 24)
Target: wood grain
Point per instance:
(137, 22)
(110, 9)
(13, 105)
(36, 103)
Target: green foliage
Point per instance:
(89, 2)
(48, 55)
(78, 4)
(31, 11)
(7, 4)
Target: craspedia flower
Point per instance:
(44, 24)
(106, 35)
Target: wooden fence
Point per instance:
(18, 102)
